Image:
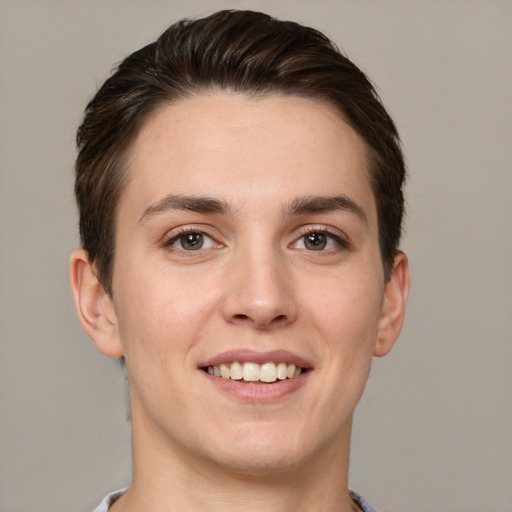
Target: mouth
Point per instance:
(248, 371)
(248, 366)
(257, 377)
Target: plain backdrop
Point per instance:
(433, 431)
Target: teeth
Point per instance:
(281, 371)
(268, 372)
(236, 371)
(224, 371)
(253, 372)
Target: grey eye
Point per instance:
(319, 241)
(315, 241)
(191, 241)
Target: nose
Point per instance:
(259, 291)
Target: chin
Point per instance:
(260, 463)
(261, 451)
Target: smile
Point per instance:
(253, 372)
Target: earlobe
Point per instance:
(393, 308)
(94, 306)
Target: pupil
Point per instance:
(192, 241)
(315, 241)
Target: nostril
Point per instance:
(276, 320)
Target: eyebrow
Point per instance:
(321, 204)
(299, 206)
(201, 204)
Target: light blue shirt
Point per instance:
(111, 498)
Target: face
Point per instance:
(248, 289)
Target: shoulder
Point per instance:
(361, 502)
(112, 497)
(109, 500)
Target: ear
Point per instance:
(94, 306)
(393, 306)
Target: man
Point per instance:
(240, 194)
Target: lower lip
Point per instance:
(258, 392)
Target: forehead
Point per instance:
(247, 149)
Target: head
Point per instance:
(239, 186)
(235, 51)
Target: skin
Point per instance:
(256, 286)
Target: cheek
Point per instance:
(160, 315)
(347, 314)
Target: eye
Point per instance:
(315, 241)
(319, 241)
(190, 241)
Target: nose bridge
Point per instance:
(260, 291)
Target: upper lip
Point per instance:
(252, 356)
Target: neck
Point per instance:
(167, 478)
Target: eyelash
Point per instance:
(170, 240)
(341, 241)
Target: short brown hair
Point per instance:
(240, 51)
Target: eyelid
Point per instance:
(174, 234)
(338, 235)
(335, 233)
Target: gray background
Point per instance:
(433, 431)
